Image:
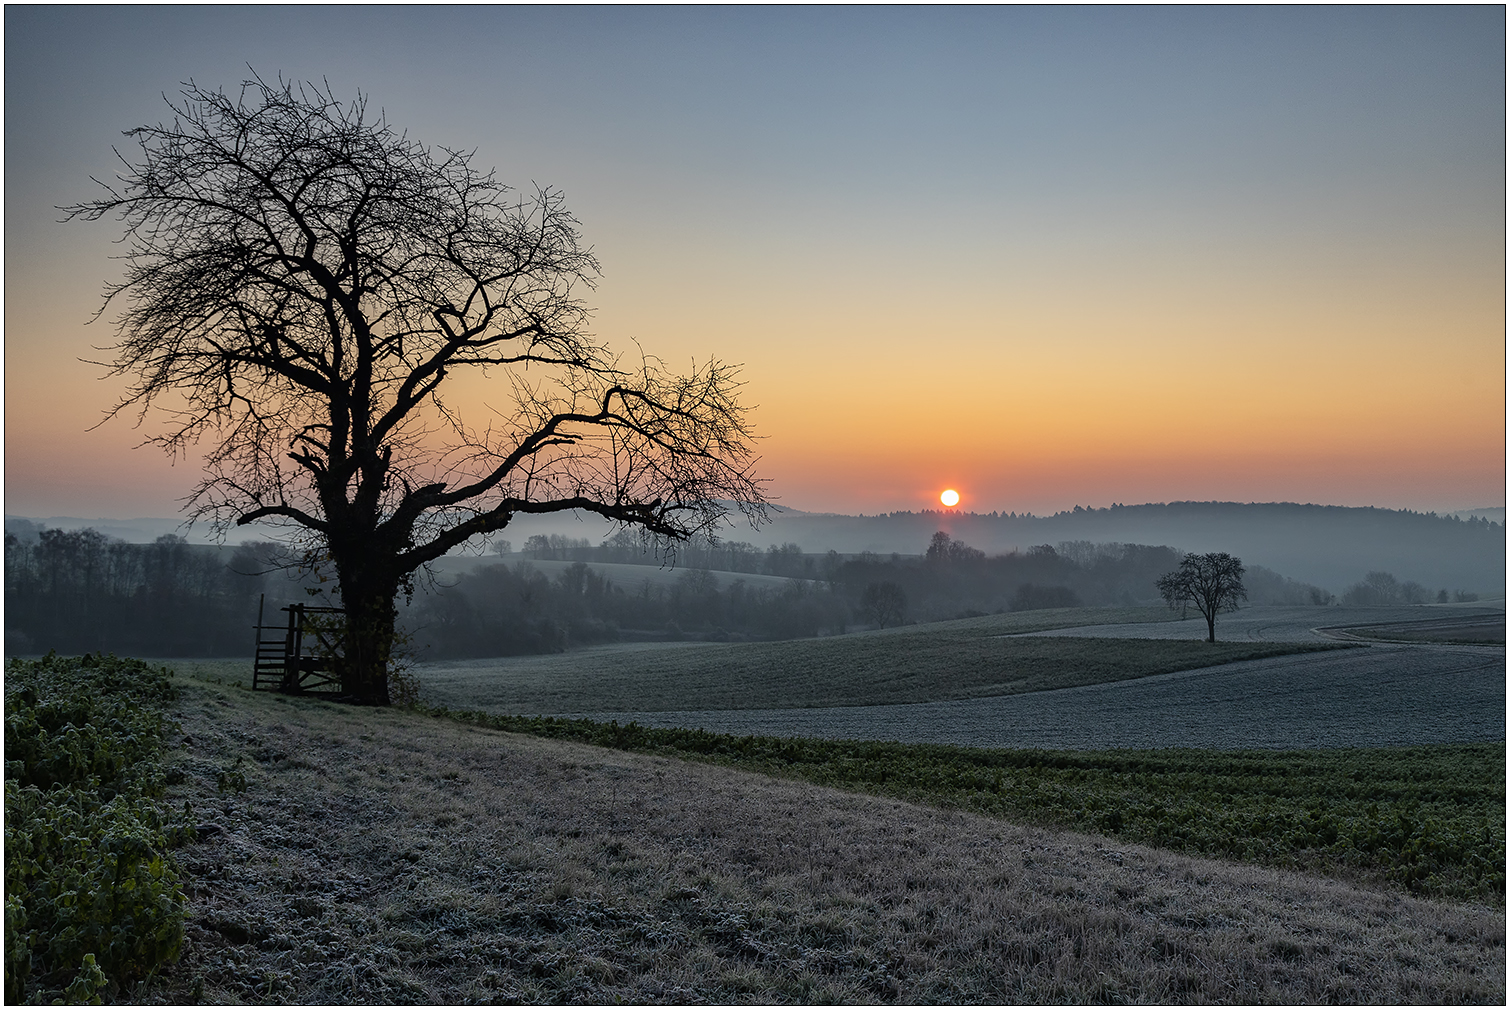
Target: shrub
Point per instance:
(92, 895)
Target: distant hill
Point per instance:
(1327, 545)
(133, 531)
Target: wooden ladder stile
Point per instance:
(279, 662)
(268, 661)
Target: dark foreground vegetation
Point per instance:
(1429, 818)
(93, 898)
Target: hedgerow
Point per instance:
(1429, 818)
(92, 895)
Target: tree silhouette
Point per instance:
(883, 603)
(301, 282)
(1212, 583)
(943, 549)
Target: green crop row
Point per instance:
(92, 896)
(1431, 818)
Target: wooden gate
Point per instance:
(297, 657)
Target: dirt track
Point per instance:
(1376, 696)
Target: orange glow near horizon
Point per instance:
(1403, 423)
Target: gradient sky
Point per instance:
(1046, 256)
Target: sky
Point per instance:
(1045, 256)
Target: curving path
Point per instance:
(1378, 695)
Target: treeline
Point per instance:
(512, 609)
(953, 579)
(629, 547)
(506, 610)
(1381, 589)
(80, 591)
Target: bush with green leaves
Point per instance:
(92, 895)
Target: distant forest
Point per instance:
(80, 591)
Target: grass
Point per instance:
(361, 855)
(933, 662)
(1430, 818)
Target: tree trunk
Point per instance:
(1211, 626)
(370, 616)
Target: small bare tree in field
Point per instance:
(1212, 583)
(301, 282)
(883, 603)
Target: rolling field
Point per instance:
(357, 855)
(859, 686)
(1432, 818)
(1372, 696)
(952, 660)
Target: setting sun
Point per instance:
(950, 498)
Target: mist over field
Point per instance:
(1325, 545)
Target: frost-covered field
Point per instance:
(1279, 624)
(380, 856)
(1382, 695)
(1377, 695)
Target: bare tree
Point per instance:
(1212, 583)
(943, 549)
(301, 282)
(883, 603)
